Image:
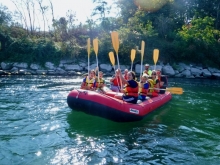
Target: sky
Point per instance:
(83, 8)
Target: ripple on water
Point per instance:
(37, 127)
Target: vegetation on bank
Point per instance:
(182, 30)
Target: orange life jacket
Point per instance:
(129, 91)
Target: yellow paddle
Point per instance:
(173, 90)
(95, 45)
(112, 59)
(88, 50)
(115, 43)
(133, 52)
(142, 56)
(155, 57)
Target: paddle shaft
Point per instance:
(95, 45)
(88, 51)
(142, 56)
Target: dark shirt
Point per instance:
(132, 83)
(163, 79)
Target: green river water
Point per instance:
(38, 128)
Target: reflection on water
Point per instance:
(37, 127)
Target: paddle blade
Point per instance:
(156, 55)
(175, 90)
(133, 52)
(88, 46)
(142, 49)
(115, 41)
(112, 58)
(95, 45)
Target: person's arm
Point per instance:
(161, 83)
(112, 79)
(141, 84)
(124, 81)
(103, 83)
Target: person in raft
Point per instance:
(130, 91)
(115, 82)
(163, 82)
(154, 85)
(147, 70)
(100, 82)
(126, 74)
(143, 87)
(89, 82)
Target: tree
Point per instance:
(198, 41)
(43, 10)
(200, 30)
(5, 15)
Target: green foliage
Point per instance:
(131, 35)
(24, 49)
(197, 42)
(200, 30)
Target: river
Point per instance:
(37, 127)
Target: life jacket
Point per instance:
(126, 76)
(99, 82)
(129, 91)
(90, 82)
(116, 81)
(147, 72)
(152, 84)
(143, 91)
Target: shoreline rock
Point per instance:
(69, 68)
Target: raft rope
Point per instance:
(85, 92)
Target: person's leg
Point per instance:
(114, 88)
(119, 96)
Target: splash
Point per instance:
(150, 5)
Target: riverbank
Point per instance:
(68, 67)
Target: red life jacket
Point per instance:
(126, 76)
(116, 81)
(129, 91)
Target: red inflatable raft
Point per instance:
(106, 106)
